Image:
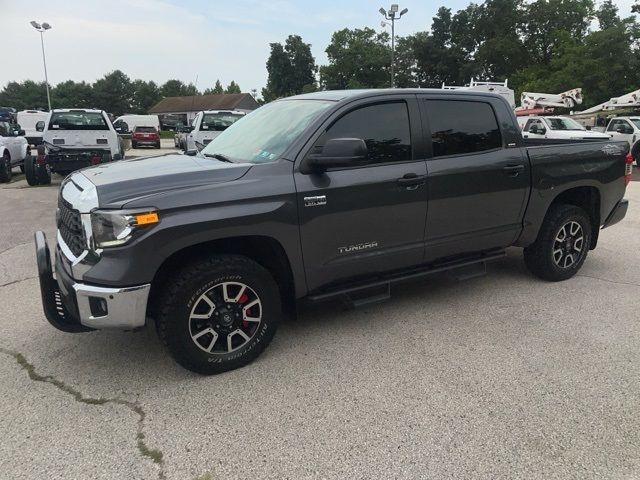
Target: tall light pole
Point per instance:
(393, 15)
(42, 28)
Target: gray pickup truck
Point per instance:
(330, 195)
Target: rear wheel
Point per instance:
(5, 168)
(158, 144)
(219, 314)
(30, 170)
(562, 244)
(134, 144)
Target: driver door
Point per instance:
(366, 219)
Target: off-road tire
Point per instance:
(538, 257)
(186, 286)
(5, 169)
(31, 171)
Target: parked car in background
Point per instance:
(7, 114)
(627, 129)
(28, 119)
(559, 128)
(14, 149)
(133, 121)
(207, 125)
(145, 136)
(180, 137)
(73, 139)
(170, 121)
(329, 195)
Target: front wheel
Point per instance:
(562, 244)
(219, 313)
(5, 169)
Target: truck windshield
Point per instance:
(78, 121)
(218, 122)
(266, 133)
(563, 124)
(636, 121)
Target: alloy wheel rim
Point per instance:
(568, 244)
(225, 318)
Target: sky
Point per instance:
(196, 41)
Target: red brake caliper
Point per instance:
(243, 299)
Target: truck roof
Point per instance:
(340, 95)
(224, 111)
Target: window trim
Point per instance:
(357, 106)
(427, 126)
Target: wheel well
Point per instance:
(587, 198)
(265, 251)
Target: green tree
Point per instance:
(279, 72)
(172, 88)
(607, 15)
(72, 94)
(291, 69)
(24, 95)
(145, 96)
(113, 93)
(358, 58)
(233, 87)
(216, 90)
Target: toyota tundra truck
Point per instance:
(329, 195)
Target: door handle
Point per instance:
(411, 179)
(513, 170)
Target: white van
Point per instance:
(561, 128)
(27, 119)
(208, 124)
(134, 121)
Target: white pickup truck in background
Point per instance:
(207, 125)
(28, 120)
(627, 129)
(561, 128)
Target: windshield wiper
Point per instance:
(218, 156)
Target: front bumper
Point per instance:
(618, 213)
(76, 307)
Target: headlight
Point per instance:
(113, 228)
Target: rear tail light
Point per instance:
(628, 168)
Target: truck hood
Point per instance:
(124, 181)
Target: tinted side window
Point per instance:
(459, 127)
(383, 127)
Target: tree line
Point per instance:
(539, 45)
(115, 93)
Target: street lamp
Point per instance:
(393, 15)
(42, 28)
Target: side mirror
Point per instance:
(191, 153)
(588, 127)
(338, 152)
(21, 133)
(40, 126)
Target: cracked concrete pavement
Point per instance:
(502, 376)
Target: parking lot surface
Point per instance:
(503, 376)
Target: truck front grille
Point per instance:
(70, 227)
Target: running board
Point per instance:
(379, 290)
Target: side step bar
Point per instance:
(379, 290)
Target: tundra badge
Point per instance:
(315, 201)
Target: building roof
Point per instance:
(195, 103)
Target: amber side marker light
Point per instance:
(146, 218)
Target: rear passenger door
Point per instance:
(371, 218)
(478, 178)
